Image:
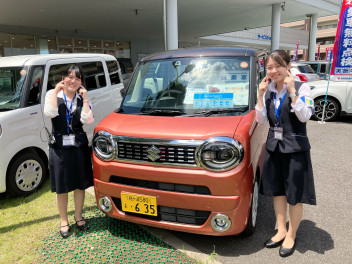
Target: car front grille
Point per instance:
(158, 151)
(171, 187)
(172, 214)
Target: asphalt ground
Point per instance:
(325, 233)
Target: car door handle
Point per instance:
(33, 113)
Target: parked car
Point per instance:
(304, 72)
(339, 99)
(184, 151)
(322, 68)
(24, 81)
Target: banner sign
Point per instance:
(329, 54)
(296, 52)
(342, 62)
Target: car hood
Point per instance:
(197, 128)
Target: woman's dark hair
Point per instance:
(280, 56)
(78, 71)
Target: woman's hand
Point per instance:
(83, 92)
(263, 86)
(59, 86)
(290, 83)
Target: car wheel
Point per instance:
(332, 109)
(25, 175)
(252, 219)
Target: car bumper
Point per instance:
(234, 205)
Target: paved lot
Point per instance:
(325, 232)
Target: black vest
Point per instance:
(294, 131)
(59, 125)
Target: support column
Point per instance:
(313, 25)
(275, 26)
(170, 24)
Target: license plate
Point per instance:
(139, 204)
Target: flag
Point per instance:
(342, 61)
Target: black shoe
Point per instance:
(272, 244)
(285, 252)
(82, 227)
(65, 233)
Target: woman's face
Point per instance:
(275, 71)
(72, 83)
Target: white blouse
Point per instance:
(51, 112)
(302, 110)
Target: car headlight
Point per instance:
(104, 145)
(220, 153)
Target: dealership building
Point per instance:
(133, 29)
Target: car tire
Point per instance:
(332, 109)
(25, 174)
(253, 211)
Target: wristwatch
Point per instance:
(295, 94)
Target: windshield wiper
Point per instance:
(170, 112)
(219, 111)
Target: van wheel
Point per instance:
(332, 109)
(25, 174)
(252, 219)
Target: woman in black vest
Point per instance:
(287, 171)
(69, 156)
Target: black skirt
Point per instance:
(70, 169)
(290, 175)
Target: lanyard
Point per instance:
(278, 110)
(68, 112)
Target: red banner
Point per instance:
(342, 60)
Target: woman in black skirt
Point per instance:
(287, 170)
(69, 156)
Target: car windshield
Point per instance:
(11, 87)
(305, 69)
(189, 86)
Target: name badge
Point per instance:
(68, 140)
(278, 133)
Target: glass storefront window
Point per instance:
(5, 45)
(45, 44)
(94, 44)
(79, 43)
(123, 50)
(81, 50)
(22, 44)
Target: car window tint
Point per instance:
(322, 68)
(314, 67)
(94, 76)
(93, 73)
(113, 72)
(35, 86)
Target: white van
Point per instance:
(24, 81)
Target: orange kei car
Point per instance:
(184, 151)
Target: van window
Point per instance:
(113, 72)
(11, 87)
(314, 67)
(35, 86)
(323, 68)
(94, 76)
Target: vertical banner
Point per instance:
(342, 62)
(328, 54)
(318, 56)
(295, 56)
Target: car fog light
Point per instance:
(105, 204)
(220, 222)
